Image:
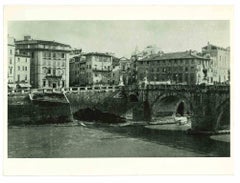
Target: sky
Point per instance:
(123, 36)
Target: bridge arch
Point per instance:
(223, 115)
(171, 104)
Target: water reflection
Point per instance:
(176, 139)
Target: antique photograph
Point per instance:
(118, 88)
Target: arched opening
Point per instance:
(180, 109)
(223, 118)
(133, 98)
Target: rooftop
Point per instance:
(45, 42)
(215, 47)
(124, 59)
(98, 54)
(173, 55)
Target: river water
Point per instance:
(75, 141)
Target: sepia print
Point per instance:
(118, 88)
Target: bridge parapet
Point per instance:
(67, 90)
(189, 88)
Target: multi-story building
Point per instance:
(78, 71)
(22, 69)
(11, 59)
(220, 62)
(49, 62)
(98, 68)
(178, 67)
(125, 69)
(115, 75)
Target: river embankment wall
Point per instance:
(23, 111)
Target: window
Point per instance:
(49, 71)
(186, 77)
(54, 72)
(63, 55)
(18, 59)
(10, 70)
(25, 68)
(18, 77)
(10, 52)
(192, 78)
(44, 83)
(19, 68)
(25, 77)
(10, 61)
(26, 60)
(180, 78)
(32, 54)
(54, 55)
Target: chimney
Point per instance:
(27, 38)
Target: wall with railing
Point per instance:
(192, 88)
(66, 90)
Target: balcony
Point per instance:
(101, 69)
(50, 76)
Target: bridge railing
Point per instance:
(191, 88)
(67, 90)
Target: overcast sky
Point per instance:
(122, 37)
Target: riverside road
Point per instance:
(76, 141)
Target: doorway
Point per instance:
(180, 109)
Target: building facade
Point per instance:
(22, 69)
(98, 68)
(115, 75)
(176, 68)
(77, 71)
(49, 62)
(11, 60)
(220, 62)
(125, 69)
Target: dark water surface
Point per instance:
(53, 141)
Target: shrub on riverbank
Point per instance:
(96, 115)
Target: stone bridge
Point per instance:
(207, 105)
